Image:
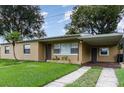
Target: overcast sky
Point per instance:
(57, 16)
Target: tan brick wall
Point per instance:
(38, 53)
(86, 53)
(82, 57)
(73, 58)
(113, 51)
(41, 51)
(19, 51)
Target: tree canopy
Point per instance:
(95, 19)
(25, 19)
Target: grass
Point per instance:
(32, 74)
(7, 62)
(120, 76)
(89, 79)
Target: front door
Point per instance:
(48, 51)
(94, 55)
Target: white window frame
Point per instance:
(56, 46)
(7, 49)
(24, 48)
(72, 45)
(104, 54)
(66, 50)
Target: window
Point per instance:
(57, 48)
(27, 49)
(104, 51)
(66, 48)
(74, 48)
(7, 49)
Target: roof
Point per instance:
(65, 37)
(47, 39)
(101, 39)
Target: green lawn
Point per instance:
(7, 62)
(31, 74)
(89, 79)
(120, 76)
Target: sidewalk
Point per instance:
(68, 78)
(107, 78)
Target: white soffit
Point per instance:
(104, 39)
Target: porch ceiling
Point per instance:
(99, 40)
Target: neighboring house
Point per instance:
(75, 49)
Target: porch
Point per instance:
(94, 48)
(103, 50)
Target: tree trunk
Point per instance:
(14, 50)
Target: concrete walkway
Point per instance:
(107, 78)
(68, 78)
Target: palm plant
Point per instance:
(13, 37)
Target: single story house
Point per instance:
(76, 49)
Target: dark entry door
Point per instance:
(94, 54)
(48, 51)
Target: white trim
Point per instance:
(27, 54)
(104, 54)
(65, 54)
(74, 45)
(5, 48)
(7, 54)
(24, 47)
(27, 46)
(56, 46)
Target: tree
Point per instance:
(95, 19)
(25, 19)
(13, 38)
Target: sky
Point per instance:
(57, 16)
